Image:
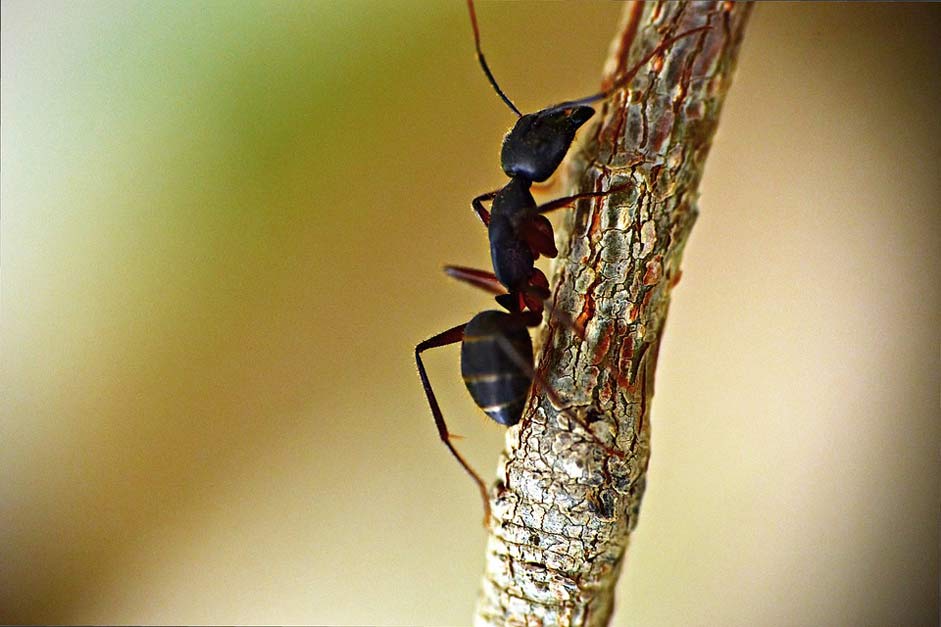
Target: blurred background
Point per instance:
(223, 226)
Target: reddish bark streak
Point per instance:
(634, 12)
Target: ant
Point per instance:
(496, 350)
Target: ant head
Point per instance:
(535, 147)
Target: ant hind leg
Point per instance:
(451, 336)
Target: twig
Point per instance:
(563, 508)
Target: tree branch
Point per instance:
(563, 507)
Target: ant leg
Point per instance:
(536, 230)
(478, 204)
(531, 296)
(451, 336)
(567, 201)
(486, 281)
(523, 365)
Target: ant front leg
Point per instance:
(478, 204)
(451, 336)
(536, 230)
(567, 201)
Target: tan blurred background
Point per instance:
(223, 225)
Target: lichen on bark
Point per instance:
(563, 507)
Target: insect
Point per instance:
(496, 350)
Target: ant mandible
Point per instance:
(496, 350)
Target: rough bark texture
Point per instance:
(563, 507)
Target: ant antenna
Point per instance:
(629, 76)
(483, 62)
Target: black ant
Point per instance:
(496, 350)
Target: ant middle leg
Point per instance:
(451, 336)
(529, 297)
(482, 279)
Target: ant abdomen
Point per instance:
(493, 343)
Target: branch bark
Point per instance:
(563, 508)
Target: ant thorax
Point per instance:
(513, 202)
